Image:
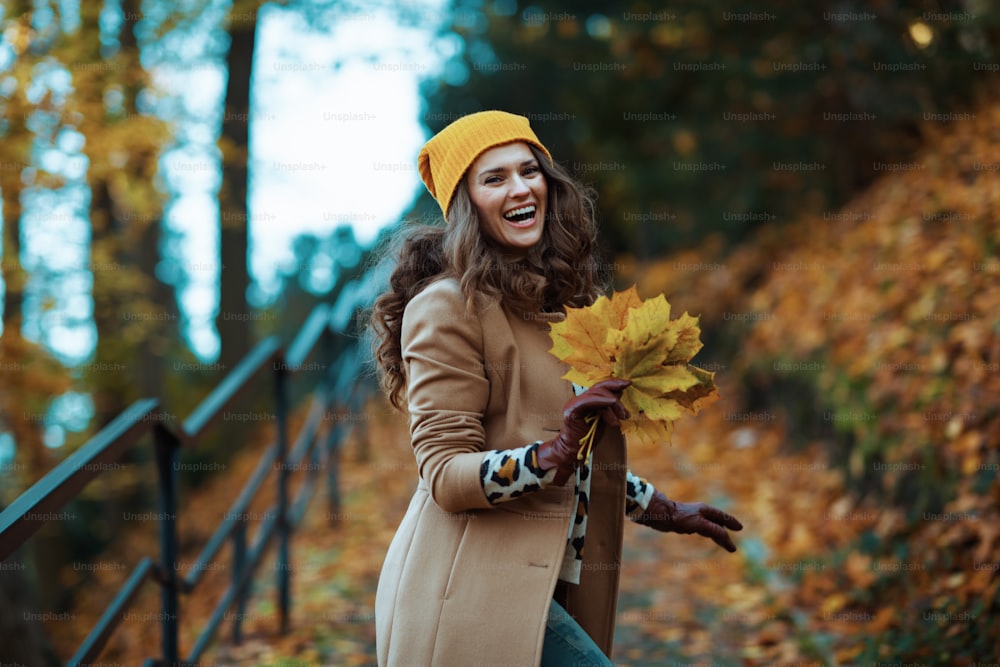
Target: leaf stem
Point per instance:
(587, 441)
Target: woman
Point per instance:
(489, 564)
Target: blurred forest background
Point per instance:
(820, 182)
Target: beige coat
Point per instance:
(464, 582)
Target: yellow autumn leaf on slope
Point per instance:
(625, 337)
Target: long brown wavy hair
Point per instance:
(560, 271)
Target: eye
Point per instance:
(491, 179)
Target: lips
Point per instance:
(521, 214)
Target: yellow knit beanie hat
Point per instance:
(447, 155)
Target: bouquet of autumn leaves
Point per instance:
(631, 339)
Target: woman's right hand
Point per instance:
(603, 400)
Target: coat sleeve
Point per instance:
(447, 394)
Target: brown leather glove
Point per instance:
(602, 400)
(670, 516)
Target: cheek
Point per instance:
(490, 204)
(480, 202)
(542, 192)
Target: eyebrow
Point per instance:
(497, 170)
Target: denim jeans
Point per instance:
(567, 644)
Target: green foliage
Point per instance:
(701, 117)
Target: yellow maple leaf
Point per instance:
(626, 337)
(696, 396)
(581, 344)
(582, 337)
(653, 431)
(619, 305)
(688, 336)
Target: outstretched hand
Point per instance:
(670, 516)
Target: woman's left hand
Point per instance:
(670, 516)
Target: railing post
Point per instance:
(333, 362)
(333, 469)
(281, 417)
(167, 447)
(239, 564)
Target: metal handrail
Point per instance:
(62, 484)
(113, 615)
(47, 496)
(232, 518)
(232, 387)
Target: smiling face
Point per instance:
(509, 191)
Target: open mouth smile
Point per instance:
(521, 214)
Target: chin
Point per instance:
(524, 245)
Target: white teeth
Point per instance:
(519, 211)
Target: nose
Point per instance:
(518, 186)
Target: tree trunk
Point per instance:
(22, 641)
(125, 233)
(145, 253)
(233, 321)
(110, 374)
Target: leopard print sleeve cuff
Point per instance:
(638, 493)
(510, 473)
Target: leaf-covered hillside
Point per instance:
(873, 334)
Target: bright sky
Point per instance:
(330, 145)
